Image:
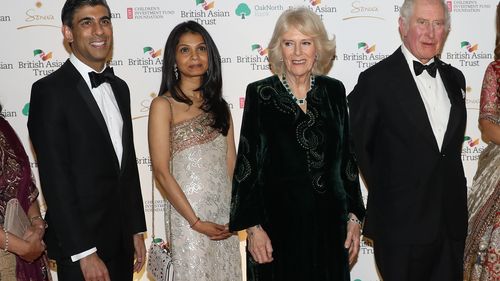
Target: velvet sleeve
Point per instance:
(247, 206)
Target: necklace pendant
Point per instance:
(287, 87)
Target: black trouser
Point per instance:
(441, 260)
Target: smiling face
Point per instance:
(191, 55)
(425, 32)
(299, 53)
(91, 36)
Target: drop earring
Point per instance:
(176, 72)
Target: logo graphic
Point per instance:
(26, 109)
(205, 4)
(469, 47)
(243, 10)
(266, 10)
(366, 48)
(361, 10)
(257, 58)
(365, 56)
(471, 150)
(469, 54)
(315, 2)
(259, 49)
(450, 6)
(130, 13)
(42, 54)
(469, 7)
(152, 52)
(42, 65)
(36, 17)
(145, 13)
(471, 142)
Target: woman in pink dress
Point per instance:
(482, 249)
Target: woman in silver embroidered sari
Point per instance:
(193, 153)
(482, 249)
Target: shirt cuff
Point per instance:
(81, 255)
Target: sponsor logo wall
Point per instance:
(365, 32)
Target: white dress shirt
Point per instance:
(110, 111)
(434, 96)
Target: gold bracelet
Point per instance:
(32, 219)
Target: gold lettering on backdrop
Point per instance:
(362, 9)
(31, 16)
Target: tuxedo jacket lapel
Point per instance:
(455, 95)
(410, 100)
(84, 92)
(123, 105)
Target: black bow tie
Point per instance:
(97, 79)
(419, 68)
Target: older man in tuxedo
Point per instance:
(81, 129)
(408, 121)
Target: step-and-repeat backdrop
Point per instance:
(365, 31)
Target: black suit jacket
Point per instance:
(91, 200)
(415, 191)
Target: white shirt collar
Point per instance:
(83, 69)
(410, 58)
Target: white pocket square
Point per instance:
(463, 93)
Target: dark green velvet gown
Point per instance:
(297, 177)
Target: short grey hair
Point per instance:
(406, 11)
(310, 24)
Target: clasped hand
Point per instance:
(33, 244)
(214, 231)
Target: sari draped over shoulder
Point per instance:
(482, 249)
(16, 181)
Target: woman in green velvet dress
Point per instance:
(296, 187)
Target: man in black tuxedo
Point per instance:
(81, 129)
(408, 121)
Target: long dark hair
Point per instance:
(211, 86)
